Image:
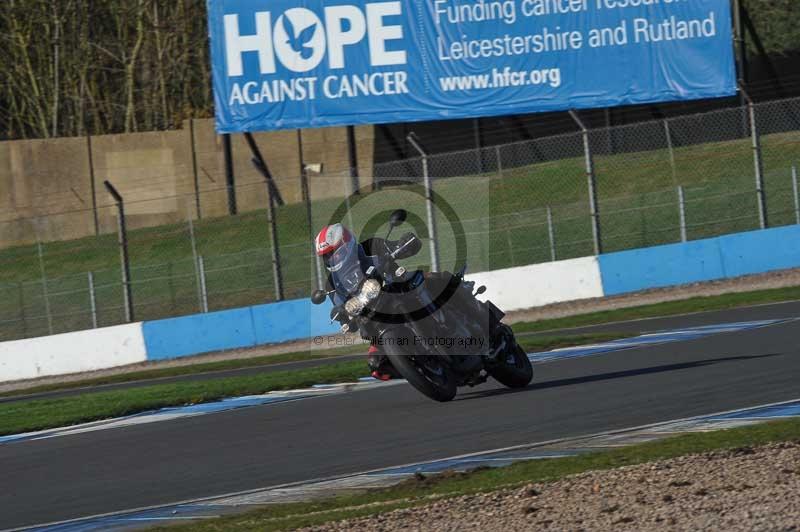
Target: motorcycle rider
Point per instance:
(336, 245)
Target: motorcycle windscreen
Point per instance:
(345, 268)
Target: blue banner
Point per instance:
(281, 64)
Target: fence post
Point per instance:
(757, 162)
(193, 241)
(305, 191)
(230, 178)
(510, 248)
(671, 149)
(22, 315)
(195, 172)
(122, 239)
(171, 284)
(92, 299)
(276, 251)
(682, 211)
(45, 293)
(352, 153)
(498, 155)
(551, 232)
(201, 265)
(476, 130)
(273, 197)
(429, 201)
(92, 185)
(592, 182)
(350, 222)
(796, 194)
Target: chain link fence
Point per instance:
(653, 183)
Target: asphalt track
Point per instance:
(105, 471)
(648, 325)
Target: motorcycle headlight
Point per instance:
(369, 291)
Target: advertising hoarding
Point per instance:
(281, 64)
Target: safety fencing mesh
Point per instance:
(503, 206)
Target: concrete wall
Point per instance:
(74, 352)
(41, 177)
(541, 284)
(46, 185)
(153, 172)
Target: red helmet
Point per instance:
(335, 244)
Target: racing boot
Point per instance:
(380, 366)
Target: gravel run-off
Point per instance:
(740, 490)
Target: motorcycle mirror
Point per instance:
(480, 290)
(319, 297)
(398, 217)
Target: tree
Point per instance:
(101, 66)
(71, 67)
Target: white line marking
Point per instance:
(215, 500)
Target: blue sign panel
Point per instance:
(282, 64)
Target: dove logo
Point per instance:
(301, 40)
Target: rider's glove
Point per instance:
(339, 314)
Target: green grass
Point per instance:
(503, 216)
(420, 492)
(193, 369)
(36, 414)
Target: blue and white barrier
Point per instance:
(111, 347)
(512, 289)
(237, 328)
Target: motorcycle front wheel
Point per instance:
(425, 372)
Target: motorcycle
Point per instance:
(435, 332)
